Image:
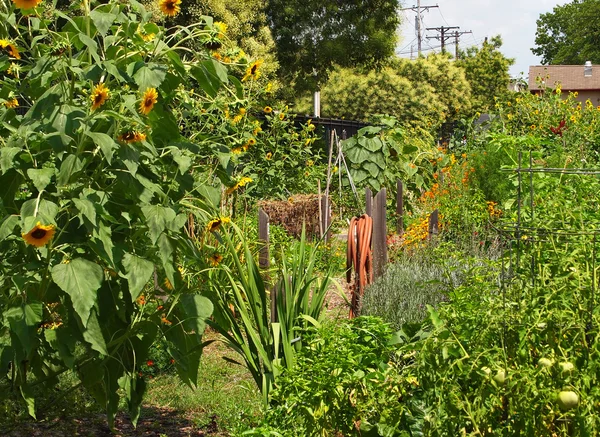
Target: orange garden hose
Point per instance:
(359, 256)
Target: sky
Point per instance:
(514, 20)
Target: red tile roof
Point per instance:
(570, 77)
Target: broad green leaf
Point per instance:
(102, 238)
(23, 321)
(150, 76)
(40, 177)
(165, 251)
(371, 144)
(138, 272)
(372, 168)
(134, 389)
(357, 154)
(106, 143)
(8, 226)
(59, 341)
(183, 161)
(80, 279)
(28, 397)
(372, 130)
(91, 45)
(157, 218)
(408, 149)
(7, 155)
(359, 175)
(68, 169)
(86, 209)
(93, 333)
(209, 75)
(45, 214)
(102, 20)
(10, 183)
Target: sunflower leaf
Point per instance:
(157, 218)
(40, 177)
(138, 272)
(80, 279)
(150, 76)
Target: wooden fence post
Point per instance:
(263, 239)
(369, 202)
(434, 226)
(399, 207)
(380, 256)
(326, 219)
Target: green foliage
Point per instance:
(486, 70)
(314, 36)
(97, 181)
(567, 35)
(345, 381)
(265, 341)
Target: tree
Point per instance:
(569, 34)
(314, 35)
(486, 69)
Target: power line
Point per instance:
(419, 21)
(442, 37)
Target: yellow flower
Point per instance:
(533, 127)
(236, 119)
(148, 100)
(269, 87)
(310, 163)
(242, 111)
(40, 235)
(221, 28)
(244, 181)
(251, 142)
(11, 103)
(256, 131)
(141, 301)
(99, 96)
(132, 137)
(268, 109)
(168, 284)
(9, 48)
(575, 94)
(281, 115)
(169, 7)
(252, 71)
(215, 224)
(26, 4)
(269, 156)
(215, 259)
(147, 36)
(14, 69)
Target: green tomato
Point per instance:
(566, 367)
(500, 377)
(545, 362)
(567, 400)
(486, 370)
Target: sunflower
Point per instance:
(169, 7)
(40, 235)
(221, 28)
(268, 109)
(99, 96)
(215, 259)
(9, 48)
(148, 100)
(269, 156)
(132, 137)
(252, 71)
(13, 103)
(26, 4)
(215, 224)
(251, 142)
(281, 115)
(168, 284)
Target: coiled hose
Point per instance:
(359, 256)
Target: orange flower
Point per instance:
(149, 99)
(40, 235)
(26, 4)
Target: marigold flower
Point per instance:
(170, 7)
(252, 72)
(26, 4)
(148, 100)
(165, 320)
(40, 235)
(99, 96)
(9, 48)
(215, 259)
(13, 103)
(268, 109)
(141, 301)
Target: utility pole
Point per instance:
(442, 36)
(418, 21)
(457, 34)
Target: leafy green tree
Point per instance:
(312, 36)
(569, 34)
(486, 69)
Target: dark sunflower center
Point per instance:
(253, 69)
(39, 234)
(170, 5)
(98, 98)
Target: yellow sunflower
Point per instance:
(9, 48)
(99, 96)
(268, 109)
(170, 7)
(168, 284)
(148, 100)
(221, 28)
(26, 4)
(269, 156)
(40, 235)
(215, 224)
(281, 115)
(251, 142)
(215, 259)
(252, 72)
(13, 103)
(132, 137)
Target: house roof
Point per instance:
(570, 77)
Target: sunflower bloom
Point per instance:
(9, 48)
(215, 259)
(215, 224)
(132, 137)
(40, 235)
(26, 4)
(148, 100)
(221, 28)
(269, 156)
(170, 7)
(99, 96)
(168, 284)
(253, 71)
(13, 103)
(268, 110)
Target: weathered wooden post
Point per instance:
(380, 255)
(369, 202)
(264, 260)
(326, 219)
(399, 207)
(434, 226)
